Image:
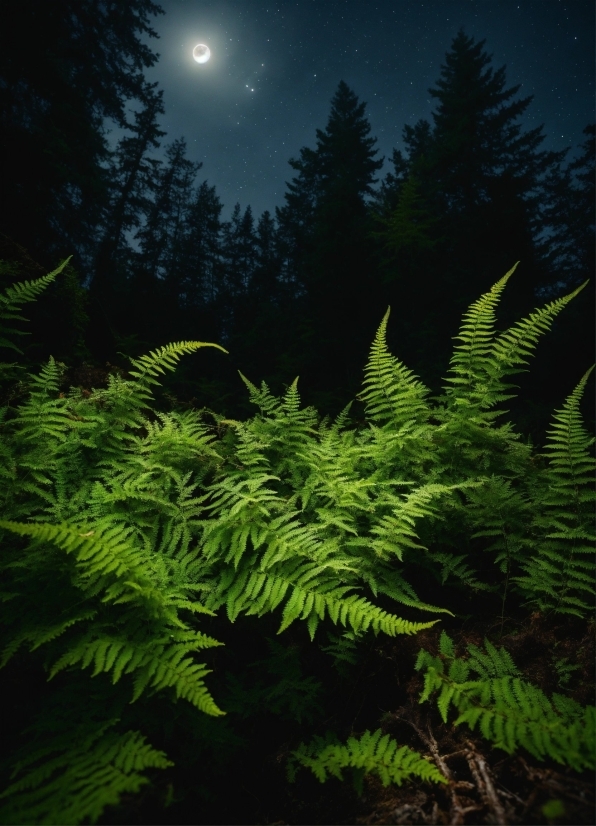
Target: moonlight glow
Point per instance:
(201, 53)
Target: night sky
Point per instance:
(275, 65)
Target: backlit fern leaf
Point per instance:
(18, 294)
(559, 575)
(375, 753)
(311, 592)
(471, 362)
(159, 662)
(263, 398)
(396, 532)
(513, 347)
(479, 365)
(495, 662)
(391, 392)
(44, 416)
(149, 367)
(509, 711)
(105, 557)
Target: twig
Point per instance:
(481, 774)
(458, 811)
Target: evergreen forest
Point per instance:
(297, 510)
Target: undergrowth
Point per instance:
(127, 534)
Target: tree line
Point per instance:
(302, 291)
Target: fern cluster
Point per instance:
(508, 710)
(122, 528)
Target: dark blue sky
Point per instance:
(276, 65)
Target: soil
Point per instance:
(486, 785)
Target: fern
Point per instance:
(391, 392)
(509, 711)
(481, 361)
(472, 364)
(370, 754)
(107, 563)
(513, 347)
(17, 295)
(559, 576)
(75, 778)
(148, 368)
(128, 515)
(343, 649)
(311, 593)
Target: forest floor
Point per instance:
(486, 785)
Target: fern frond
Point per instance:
(509, 711)
(479, 365)
(41, 635)
(513, 347)
(78, 777)
(312, 592)
(44, 417)
(263, 398)
(391, 392)
(149, 367)
(471, 363)
(291, 399)
(395, 532)
(559, 575)
(374, 753)
(159, 662)
(18, 294)
(108, 562)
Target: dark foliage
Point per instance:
(301, 293)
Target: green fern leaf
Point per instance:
(78, 777)
(559, 575)
(18, 294)
(371, 753)
(391, 392)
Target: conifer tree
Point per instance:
(65, 68)
(239, 247)
(197, 279)
(265, 278)
(131, 174)
(568, 250)
(263, 315)
(155, 281)
(567, 256)
(201, 257)
(487, 173)
(481, 178)
(325, 227)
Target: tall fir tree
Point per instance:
(568, 249)
(239, 249)
(263, 316)
(327, 223)
(567, 253)
(132, 171)
(154, 283)
(200, 263)
(64, 68)
(480, 183)
(239, 253)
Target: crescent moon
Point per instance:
(201, 53)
